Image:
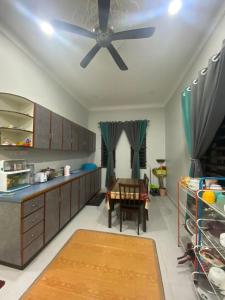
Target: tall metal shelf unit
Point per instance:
(194, 215)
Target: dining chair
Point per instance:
(112, 181)
(146, 183)
(130, 201)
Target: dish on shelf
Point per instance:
(190, 226)
(217, 277)
(203, 287)
(211, 257)
(194, 184)
(215, 228)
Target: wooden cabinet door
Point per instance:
(93, 142)
(75, 196)
(88, 186)
(52, 204)
(75, 136)
(56, 131)
(65, 204)
(82, 191)
(93, 186)
(67, 135)
(81, 139)
(41, 127)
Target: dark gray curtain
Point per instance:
(208, 108)
(111, 132)
(136, 131)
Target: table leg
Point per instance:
(144, 217)
(110, 218)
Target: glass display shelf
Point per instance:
(205, 269)
(187, 190)
(213, 241)
(214, 206)
(202, 287)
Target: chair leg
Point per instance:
(147, 217)
(139, 215)
(121, 218)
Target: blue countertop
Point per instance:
(38, 188)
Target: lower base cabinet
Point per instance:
(65, 193)
(52, 202)
(75, 196)
(28, 226)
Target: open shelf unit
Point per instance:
(196, 221)
(16, 120)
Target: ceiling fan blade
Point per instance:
(103, 13)
(61, 25)
(87, 59)
(139, 33)
(121, 64)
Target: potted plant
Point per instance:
(160, 173)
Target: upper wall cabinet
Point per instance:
(56, 131)
(41, 127)
(67, 134)
(27, 124)
(16, 120)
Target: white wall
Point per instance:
(176, 150)
(20, 75)
(155, 138)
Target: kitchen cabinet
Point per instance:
(41, 127)
(52, 206)
(56, 131)
(30, 222)
(65, 204)
(67, 134)
(82, 191)
(75, 196)
(75, 137)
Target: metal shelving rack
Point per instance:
(202, 236)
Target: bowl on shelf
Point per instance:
(211, 257)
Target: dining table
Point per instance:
(113, 196)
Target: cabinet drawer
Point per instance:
(33, 248)
(31, 205)
(32, 234)
(32, 219)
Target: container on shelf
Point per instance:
(14, 175)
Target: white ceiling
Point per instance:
(155, 65)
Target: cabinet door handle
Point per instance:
(34, 205)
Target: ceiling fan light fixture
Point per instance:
(47, 28)
(174, 7)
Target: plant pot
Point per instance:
(162, 192)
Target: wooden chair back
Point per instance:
(130, 194)
(146, 182)
(112, 181)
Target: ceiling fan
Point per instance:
(104, 35)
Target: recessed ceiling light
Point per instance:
(47, 28)
(174, 7)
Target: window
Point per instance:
(104, 155)
(213, 162)
(142, 154)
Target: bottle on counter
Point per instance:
(67, 170)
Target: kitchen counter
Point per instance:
(38, 188)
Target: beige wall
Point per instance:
(178, 161)
(19, 74)
(155, 138)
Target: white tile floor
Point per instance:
(161, 227)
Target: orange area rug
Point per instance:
(102, 266)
